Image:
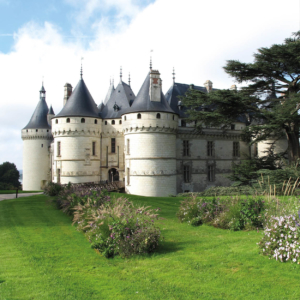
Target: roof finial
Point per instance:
(81, 68)
(129, 79)
(173, 75)
(121, 74)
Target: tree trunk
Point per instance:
(293, 146)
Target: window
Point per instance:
(183, 123)
(125, 118)
(95, 122)
(58, 149)
(113, 145)
(36, 130)
(105, 123)
(128, 176)
(139, 116)
(120, 122)
(211, 173)
(232, 127)
(56, 121)
(158, 116)
(27, 130)
(58, 175)
(82, 120)
(128, 146)
(42, 145)
(186, 148)
(68, 120)
(94, 148)
(113, 122)
(236, 149)
(173, 117)
(210, 148)
(47, 130)
(186, 174)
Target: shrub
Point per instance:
(53, 189)
(281, 239)
(229, 213)
(116, 226)
(193, 208)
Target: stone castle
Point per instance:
(142, 141)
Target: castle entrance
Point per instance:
(113, 175)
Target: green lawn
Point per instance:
(19, 191)
(42, 256)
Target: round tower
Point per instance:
(149, 128)
(37, 137)
(76, 131)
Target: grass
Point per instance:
(42, 256)
(19, 192)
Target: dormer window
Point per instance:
(68, 120)
(139, 116)
(116, 107)
(82, 120)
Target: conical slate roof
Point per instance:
(118, 102)
(109, 93)
(80, 103)
(39, 117)
(51, 111)
(142, 101)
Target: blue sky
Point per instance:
(16, 13)
(45, 40)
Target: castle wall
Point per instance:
(109, 158)
(75, 160)
(36, 171)
(150, 154)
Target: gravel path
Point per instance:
(13, 196)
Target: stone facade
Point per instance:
(153, 151)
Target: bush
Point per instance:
(281, 239)
(229, 213)
(53, 189)
(113, 226)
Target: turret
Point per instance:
(209, 85)
(149, 128)
(50, 115)
(76, 131)
(37, 137)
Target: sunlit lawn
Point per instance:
(42, 256)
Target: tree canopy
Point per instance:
(9, 175)
(268, 103)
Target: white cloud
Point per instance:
(196, 37)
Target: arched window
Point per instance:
(113, 122)
(120, 122)
(125, 118)
(68, 120)
(95, 121)
(105, 123)
(56, 121)
(139, 116)
(82, 120)
(158, 116)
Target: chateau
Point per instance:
(143, 141)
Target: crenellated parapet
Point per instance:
(36, 134)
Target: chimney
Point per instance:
(67, 92)
(155, 86)
(233, 87)
(208, 84)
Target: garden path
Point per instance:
(13, 196)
